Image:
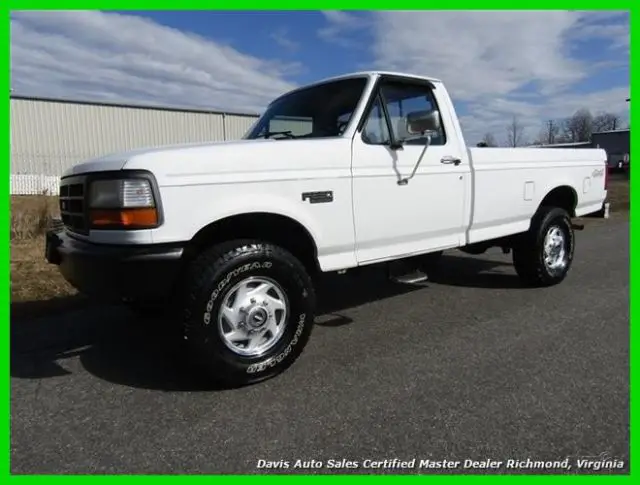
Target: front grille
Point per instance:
(73, 205)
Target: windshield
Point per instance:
(317, 112)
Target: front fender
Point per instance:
(330, 225)
(271, 204)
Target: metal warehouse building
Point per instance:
(50, 135)
(617, 144)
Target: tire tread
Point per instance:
(526, 258)
(206, 268)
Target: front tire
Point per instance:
(544, 255)
(249, 311)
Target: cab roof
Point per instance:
(358, 74)
(378, 73)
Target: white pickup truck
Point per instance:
(355, 170)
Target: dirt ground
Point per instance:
(619, 195)
(32, 279)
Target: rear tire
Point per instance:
(544, 254)
(249, 311)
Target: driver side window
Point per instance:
(376, 131)
(403, 98)
(400, 98)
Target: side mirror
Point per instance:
(420, 123)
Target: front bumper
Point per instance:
(115, 272)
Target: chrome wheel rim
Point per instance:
(555, 250)
(253, 316)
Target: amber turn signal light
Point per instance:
(133, 218)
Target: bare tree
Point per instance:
(605, 122)
(579, 127)
(489, 140)
(515, 133)
(550, 133)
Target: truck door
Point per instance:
(393, 219)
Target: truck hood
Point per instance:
(118, 160)
(226, 162)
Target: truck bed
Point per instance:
(508, 184)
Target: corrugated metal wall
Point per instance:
(49, 136)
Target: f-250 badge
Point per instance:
(598, 172)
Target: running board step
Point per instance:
(406, 273)
(416, 276)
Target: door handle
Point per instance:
(450, 160)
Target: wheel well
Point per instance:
(563, 197)
(273, 228)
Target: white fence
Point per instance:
(49, 136)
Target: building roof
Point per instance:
(136, 105)
(611, 131)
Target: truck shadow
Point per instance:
(475, 272)
(116, 347)
(30, 310)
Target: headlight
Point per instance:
(120, 194)
(122, 203)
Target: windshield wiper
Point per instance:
(287, 134)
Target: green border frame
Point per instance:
(627, 5)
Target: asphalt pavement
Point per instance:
(468, 366)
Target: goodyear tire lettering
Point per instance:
(255, 368)
(206, 318)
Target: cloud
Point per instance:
(533, 64)
(109, 56)
(611, 27)
(480, 54)
(497, 64)
(492, 116)
(341, 26)
(505, 63)
(281, 37)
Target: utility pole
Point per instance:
(551, 134)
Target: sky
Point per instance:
(536, 65)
